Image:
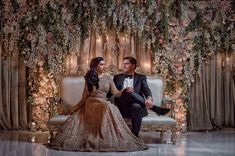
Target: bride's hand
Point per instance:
(129, 90)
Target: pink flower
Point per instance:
(202, 5)
(158, 2)
(49, 37)
(192, 15)
(133, 1)
(158, 15)
(179, 66)
(224, 5)
(161, 40)
(29, 37)
(185, 22)
(118, 2)
(208, 17)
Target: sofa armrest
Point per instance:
(53, 101)
(168, 101)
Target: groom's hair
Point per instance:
(131, 59)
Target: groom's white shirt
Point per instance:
(128, 83)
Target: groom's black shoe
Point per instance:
(159, 110)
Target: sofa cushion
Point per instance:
(151, 119)
(154, 119)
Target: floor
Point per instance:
(219, 143)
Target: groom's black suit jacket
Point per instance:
(139, 83)
(140, 86)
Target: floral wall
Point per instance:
(181, 35)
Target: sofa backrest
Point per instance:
(71, 89)
(156, 86)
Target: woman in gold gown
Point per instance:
(96, 124)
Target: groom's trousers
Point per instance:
(131, 105)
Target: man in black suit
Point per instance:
(136, 96)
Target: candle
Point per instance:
(33, 139)
(227, 59)
(33, 126)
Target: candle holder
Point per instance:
(33, 126)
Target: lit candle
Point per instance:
(33, 126)
(48, 139)
(227, 59)
(33, 139)
(87, 64)
(123, 38)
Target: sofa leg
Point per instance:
(51, 134)
(162, 135)
(173, 135)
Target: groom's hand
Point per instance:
(149, 103)
(129, 90)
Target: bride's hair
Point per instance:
(91, 76)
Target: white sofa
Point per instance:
(71, 91)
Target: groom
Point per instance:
(137, 97)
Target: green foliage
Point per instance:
(1, 18)
(170, 87)
(149, 20)
(175, 9)
(15, 5)
(46, 66)
(195, 24)
(86, 13)
(1, 5)
(32, 2)
(226, 33)
(164, 21)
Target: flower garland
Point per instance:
(193, 39)
(41, 86)
(181, 34)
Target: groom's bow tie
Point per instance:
(128, 76)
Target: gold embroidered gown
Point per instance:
(97, 125)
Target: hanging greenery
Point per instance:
(1, 19)
(181, 35)
(48, 29)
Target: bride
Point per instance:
(95, 123)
